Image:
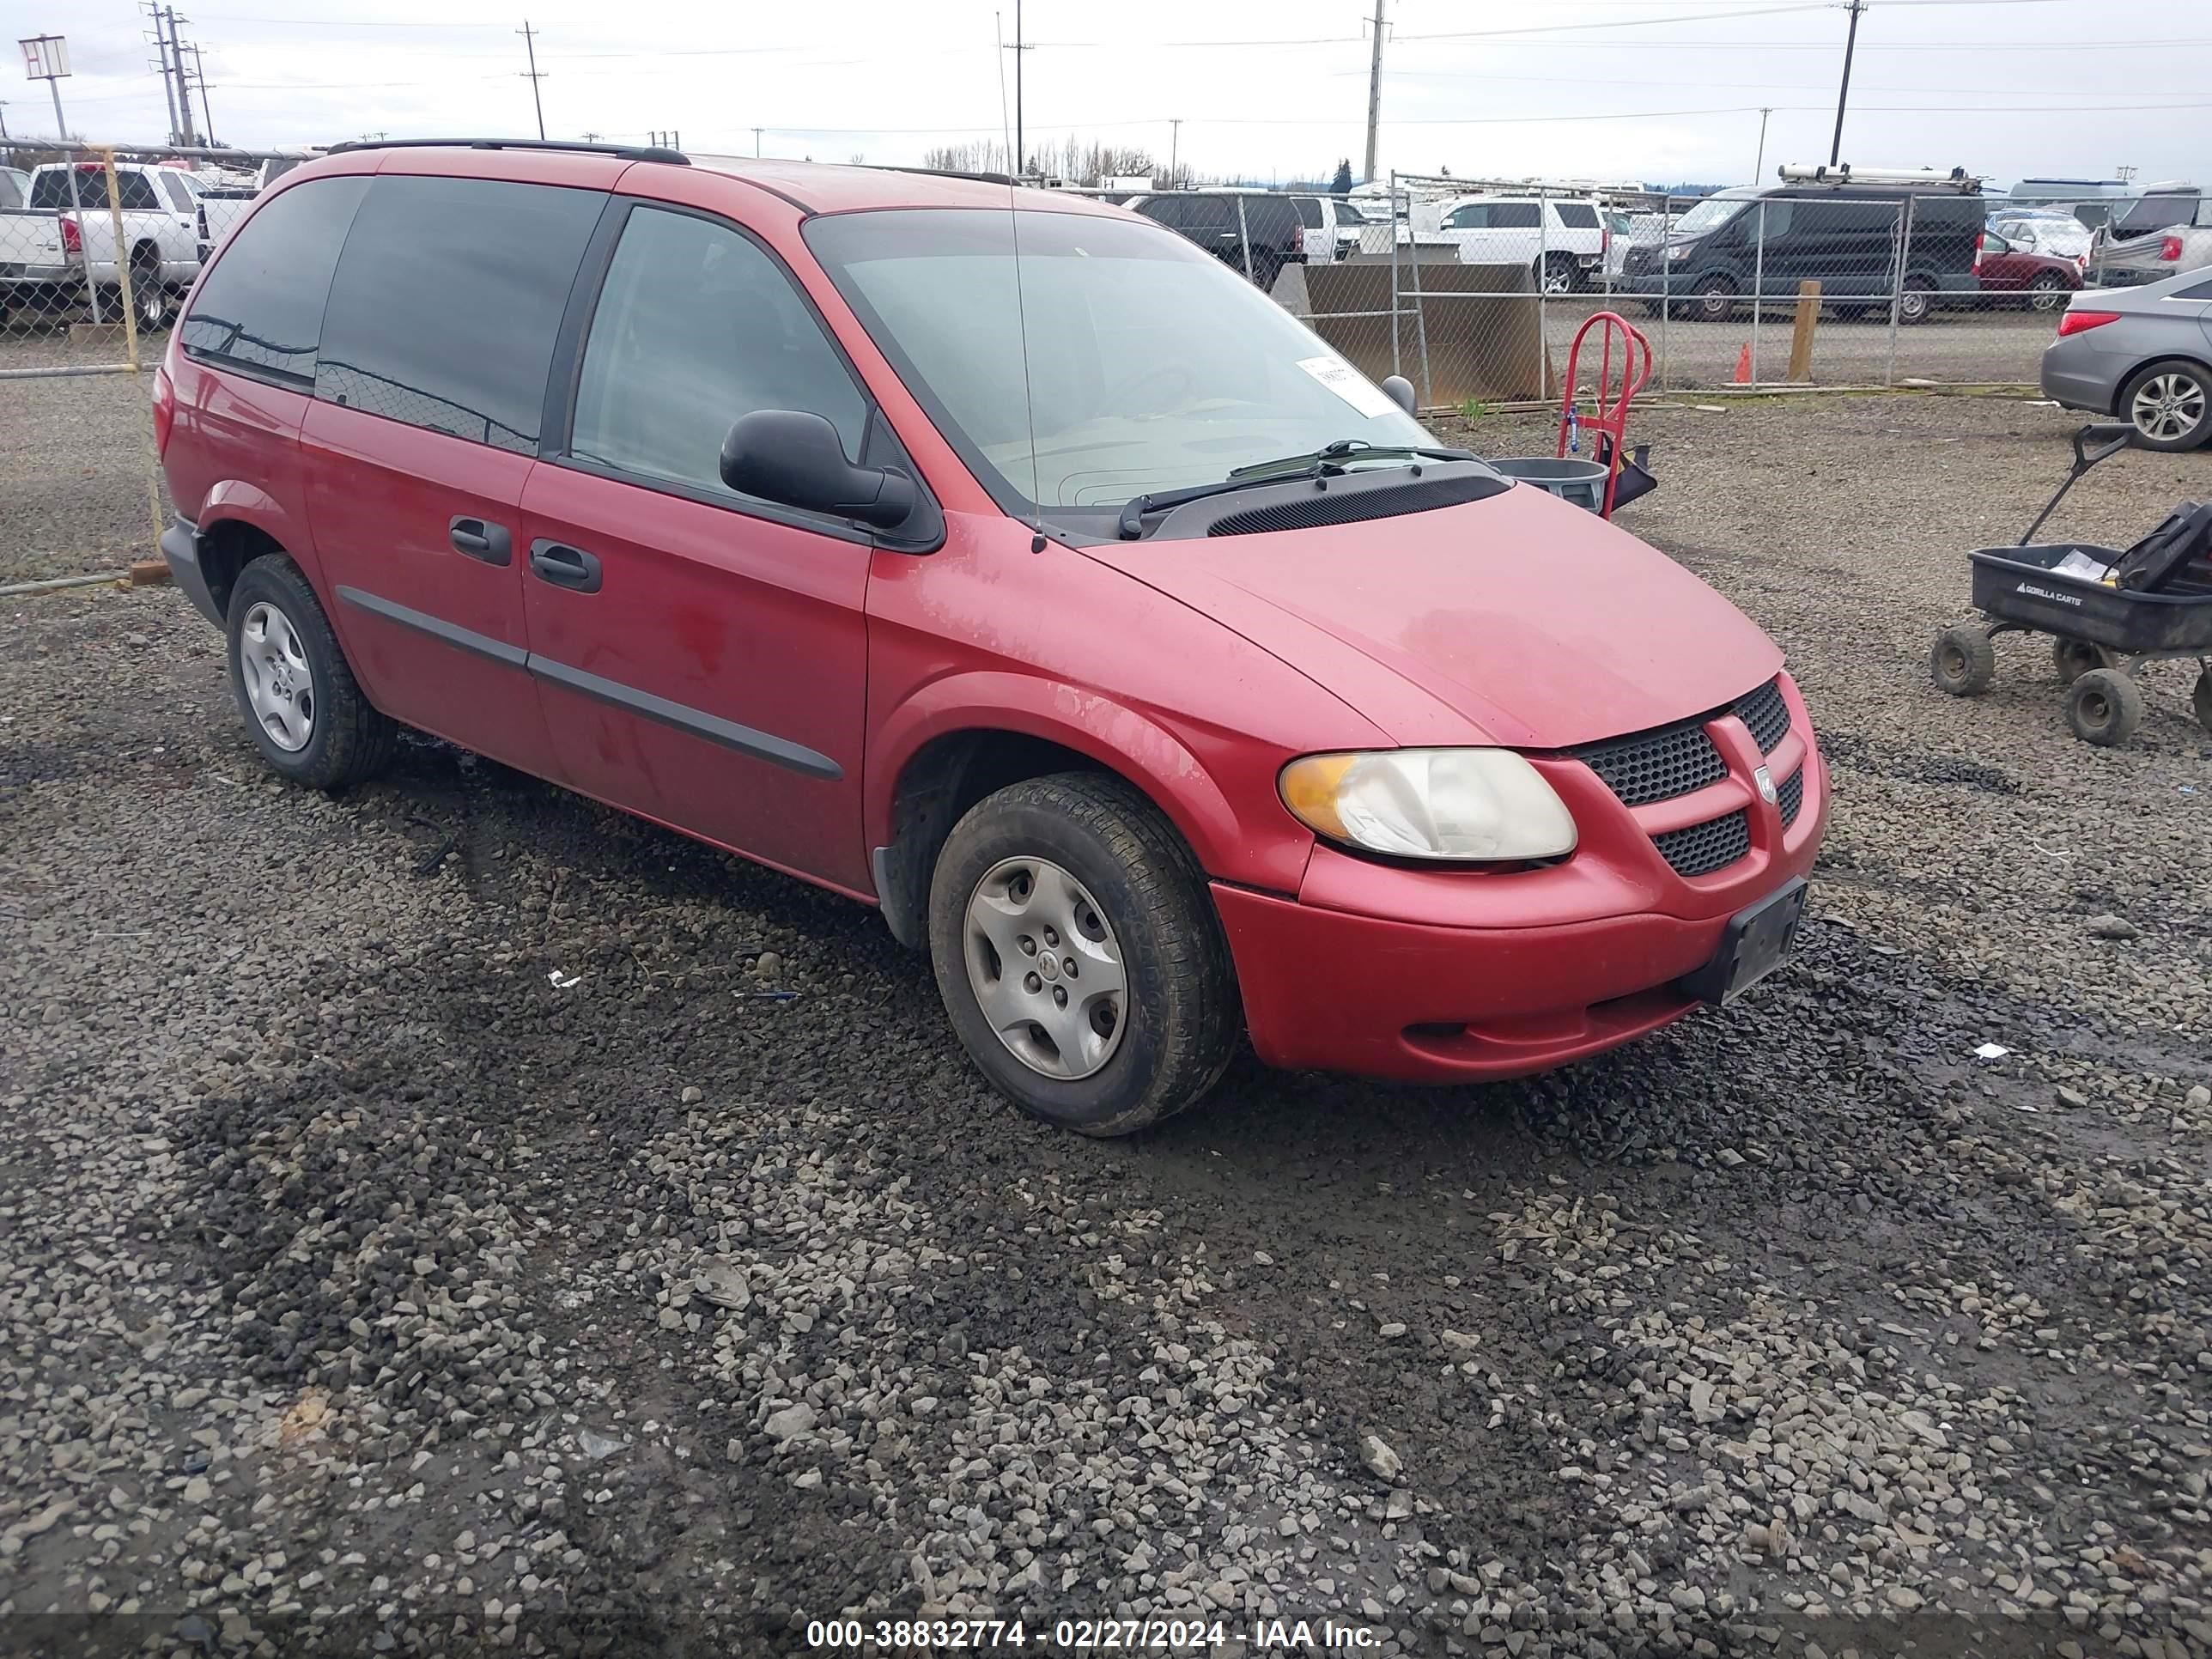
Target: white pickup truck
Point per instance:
(2123, 260)
(40, 272)
(165, 234)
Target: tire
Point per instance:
(2075, 657)
(1100, 859)
(1915, 302)
(281, 648)
(2047, 292)
(2169, 404)
(1964, 663)
(2200, 699)
(1555, 273)
(1715, 300)
(149, 301)
(2104, 707)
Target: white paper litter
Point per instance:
(1991, 1051)
(561, 981)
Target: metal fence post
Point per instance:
(1666, 291)
(1244, 238)
(1757, 286)
(123, 271)
(1544, 387)
(1897, 286)
(1396, 368)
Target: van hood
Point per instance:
(1516, 620)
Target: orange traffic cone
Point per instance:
(1743, 365)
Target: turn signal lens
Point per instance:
(1464, 806)
(2075, 322)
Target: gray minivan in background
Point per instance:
(1845, 235)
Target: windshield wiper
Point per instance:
(1325, 462)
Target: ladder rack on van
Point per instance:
(1958, 179)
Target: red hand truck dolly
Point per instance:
(1626, 477)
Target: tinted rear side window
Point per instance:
(1309, 212)
(10, 195)
(260, 308)
(1579, 215)
(446, 304)
(1513, 215)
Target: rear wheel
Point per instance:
(1555, 273)
(2200, 699)
(298, 695)
(149, 301)
(2104, 707)
(2047, 292)
(1079, 955)
(2075, 657)
(1964, 663)
(2169, 404)
(1915, 302)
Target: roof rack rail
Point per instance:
(943, 172)
(621, 152)
(1958, 179)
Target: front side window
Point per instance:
(447, 301)
(1709, 215)
(1474, 216)
(696, 325)
(259, 308)
(1143, 366)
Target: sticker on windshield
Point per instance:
(1348, 384)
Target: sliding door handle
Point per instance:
(480, 540)
(564, 566)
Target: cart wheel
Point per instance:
(2200, 699)
(2075, 657)
(2104, 707)
(1964, 662)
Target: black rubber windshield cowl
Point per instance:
(1338, 504)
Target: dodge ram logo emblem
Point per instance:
(1764, 780)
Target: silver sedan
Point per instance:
(2144, 355)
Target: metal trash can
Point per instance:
(1581, 483)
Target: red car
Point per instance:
(2006, 265)
(999, 560)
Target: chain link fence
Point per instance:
(1473, 288)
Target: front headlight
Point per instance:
(1470, 805)
(1677, 252)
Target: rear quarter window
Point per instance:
(259, 308)
(1578, 215)
(446, 301)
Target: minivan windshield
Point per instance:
(1708, 216)
(1149, 366)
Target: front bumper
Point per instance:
(1458, 976)
(180, 548)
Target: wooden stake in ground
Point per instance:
(1801, 335)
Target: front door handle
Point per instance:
(564, 566)
(477, 538)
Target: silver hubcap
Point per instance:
(280, 687)
(2168, 406)
(1045, 968)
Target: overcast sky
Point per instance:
(1661, 90)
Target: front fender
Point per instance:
(1126, 739)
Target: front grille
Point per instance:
(1353, 506)
(1654, 765)
(1765, 713)
(1704, 847)
(1790, 797)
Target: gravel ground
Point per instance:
(365, 1289)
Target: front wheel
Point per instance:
(1715, 300)
(1964, 663)
(2200, 699)
(1079, 955)
(2104, 707)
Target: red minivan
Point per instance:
(999, 560)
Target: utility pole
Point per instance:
(1375, 89)
(199, 75)
(1174, 145)
(757, 138)
(530, 45)
(1850, 40)
(1018, 50)
(1758, 167)
(168, 86)
(184, 92)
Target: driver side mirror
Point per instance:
(1399, 391)
(795, 458)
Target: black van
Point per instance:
(1275, 226)
(1846, 236)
